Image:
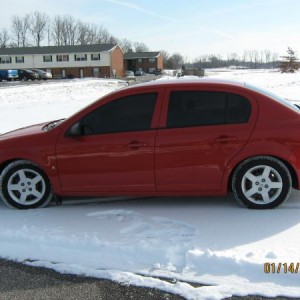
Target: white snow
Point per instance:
(193, 241)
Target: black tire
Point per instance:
(261, 182)
(0, 79)
(24, 185)
(24, 78)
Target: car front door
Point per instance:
(200, 132)
(115, 152)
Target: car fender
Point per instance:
(43, 157)
(261, 148)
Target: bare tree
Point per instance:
(64, 30)
(17, 25)
(24, 30)
(83, 33)
(4, 38)
(20, 27)
(104, 37)
(267, 57)
(233, 59)
(165, 56)
(56, 30)
(126, 45)
(176, 60)
(38, 26)
(69, 30)
(140, 47)
(275, 58)
(256, 58)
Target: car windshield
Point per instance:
(273, 96)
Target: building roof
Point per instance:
(136, 55)
(56, 49)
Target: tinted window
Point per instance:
(194, 108)
(130, 113)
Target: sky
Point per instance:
(191, 27)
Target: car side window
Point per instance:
(131, 113)
(199, 108)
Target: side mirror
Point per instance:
(75, 130)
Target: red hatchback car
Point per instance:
(167, 138)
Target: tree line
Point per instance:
(37, 29)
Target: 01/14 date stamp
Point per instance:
(272, 268)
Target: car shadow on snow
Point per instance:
(217, 223)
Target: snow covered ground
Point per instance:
(194, 241)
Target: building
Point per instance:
(143, 61)
(67, 61)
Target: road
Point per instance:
(22, 282)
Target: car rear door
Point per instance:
(201, 130)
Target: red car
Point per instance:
(167, 138)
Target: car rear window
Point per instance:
(199, 108)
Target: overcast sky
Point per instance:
(191, 27)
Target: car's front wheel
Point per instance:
(261, 182)
(24, 185)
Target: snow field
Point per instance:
(194, 241)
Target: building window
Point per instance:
(5, 59)
(80, 57)
(152, 60)
(62, 57)
(95, 56)
(47, 58)
(19, 59)
(151, 70)
(140, 60)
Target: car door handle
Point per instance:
(226, 139)
(134, 145)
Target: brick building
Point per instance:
(67, 61)
(143, 61)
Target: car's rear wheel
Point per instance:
(261, 182)
(24, 185)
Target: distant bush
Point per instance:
(290, 63)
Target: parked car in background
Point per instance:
(9, 75)
(28, 74)
(140, 73)
(129, 74)
(157, 72)
(42, 74)
(169, 138)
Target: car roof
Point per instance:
(181, 82)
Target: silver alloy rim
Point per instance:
(26, 187)
(262, 184)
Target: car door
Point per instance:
(201, 130)
(115, 152)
